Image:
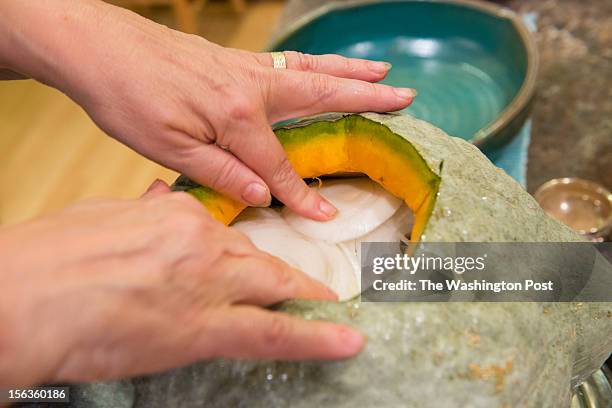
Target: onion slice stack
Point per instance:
(330, 251)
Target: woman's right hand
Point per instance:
(109, 288)
(186, 103)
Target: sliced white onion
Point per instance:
(320, 260)
(343, 276)
(271, 234)
(315, 247)
(362, 205)
(393, 230)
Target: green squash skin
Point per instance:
(477, 202)
(422, 354)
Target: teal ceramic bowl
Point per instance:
(473, 63)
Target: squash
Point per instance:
(353, 144)
(418, 354)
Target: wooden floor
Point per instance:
(51, 153)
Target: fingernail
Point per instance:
(352, 341)
(405, 93)
(327, 209)
(257, 194)
(379, 67)
(155, 184)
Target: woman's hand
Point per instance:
(109, 289)
(188, 104)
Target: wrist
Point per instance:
(33, 36)
(9, 312)
(28, 346)
(50, 40)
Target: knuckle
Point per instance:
(183, 200)
(189, 223)
(284, 279)
(278, 332)
(374, 90)
(191, 226)
(243, 243)
(346, 64)
(306, 62)
(226, 176)
(322, 87)
(230, 267)
(166, 115)
(259, 77)
(284, 173)
(239, 237)
(241, 109)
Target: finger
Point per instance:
(266, 157)
(212, 166)
(158, 187)
(332, 64)
(249, 332)
(265, 280)
(294, 94)
(8, 75)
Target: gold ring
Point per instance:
(278, 59)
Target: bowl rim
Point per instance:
(517, 105)
(593, 186)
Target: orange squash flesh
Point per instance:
(350, 144)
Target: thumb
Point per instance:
(158, 187)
